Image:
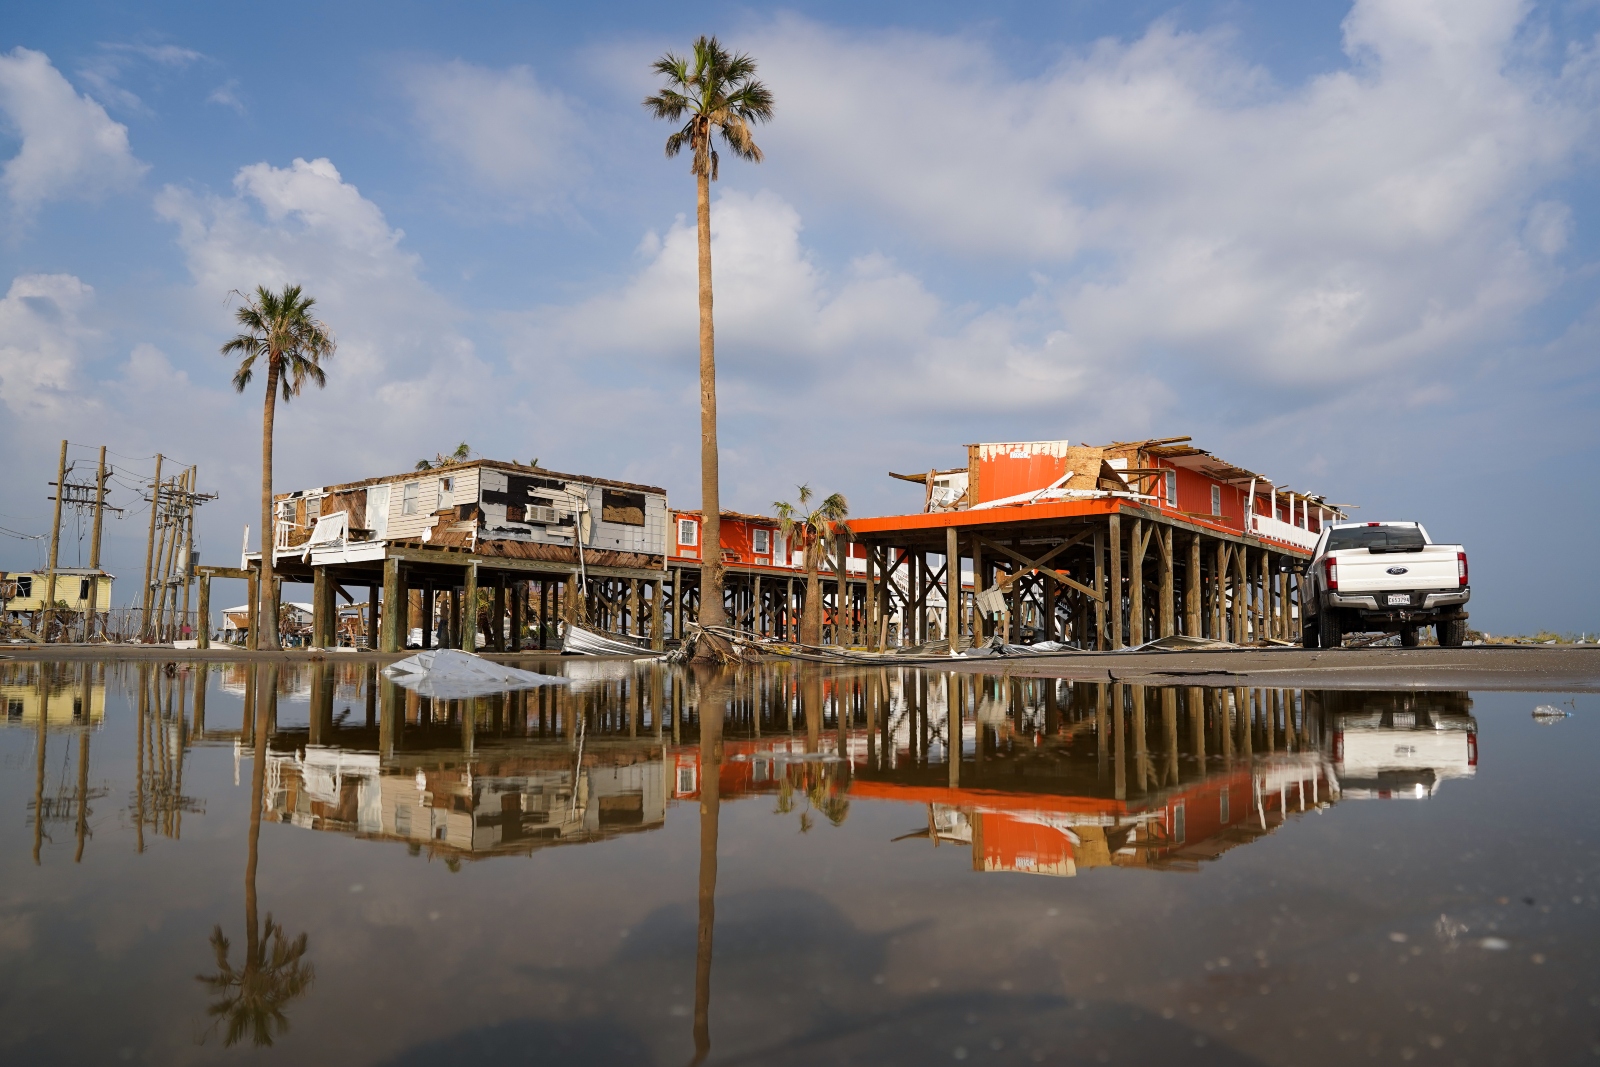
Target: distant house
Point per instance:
(23, 592)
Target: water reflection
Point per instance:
(1002, 776)
(251, 999)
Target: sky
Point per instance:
(1352, 246)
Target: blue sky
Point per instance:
(1352, 246)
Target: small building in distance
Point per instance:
(23, 592)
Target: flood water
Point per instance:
(789, 865)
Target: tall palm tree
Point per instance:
(818, 530)
(718, 93)
(279, 330)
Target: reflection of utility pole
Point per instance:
(38, 778)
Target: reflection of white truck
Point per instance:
(1400, 745)
(1383, 576)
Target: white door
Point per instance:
(378, 511)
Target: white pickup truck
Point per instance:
(1383, 576)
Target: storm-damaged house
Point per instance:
(431, 539)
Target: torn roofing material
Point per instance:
(450, 674)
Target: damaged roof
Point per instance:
(510, 466)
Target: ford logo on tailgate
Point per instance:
(1397, 570)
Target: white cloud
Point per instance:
(42, 335)
(227, 95)
(105, 70)
(810, 363)
(501, 126)
(70, 146)
(1188, 207)
(402, 360)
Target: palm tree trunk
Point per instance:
(267, 594)
(711, 613)
(811, 617)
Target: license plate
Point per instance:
(1399, 600)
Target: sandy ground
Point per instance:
(1503, 667)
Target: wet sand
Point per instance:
(1493, 667)
(1490, 667)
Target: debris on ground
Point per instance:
(1549, 714)
(450, 674)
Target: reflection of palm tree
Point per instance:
(712, 688)
(274, 970)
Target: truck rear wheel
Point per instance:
(1329, 633)
(1408, 637)
(1452, 633)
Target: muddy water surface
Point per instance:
(789, 865)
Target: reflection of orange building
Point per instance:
(1040, 833)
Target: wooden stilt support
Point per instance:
(1114, 540)
(394, 609)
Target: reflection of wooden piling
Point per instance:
(1140, 755)
(1119, 765)
(1169, 731)
(953, 701)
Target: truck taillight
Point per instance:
(1461, 568)
(1332, 567)
(1472, 750)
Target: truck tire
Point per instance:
(1408, 637)
(1329, 633)
(1308, 633)
(1452, 633)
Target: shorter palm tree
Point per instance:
(462, 453)
(817, 530)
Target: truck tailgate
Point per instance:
(1361, 571)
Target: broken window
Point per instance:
(622, 508)
(1216, 500)
(24, 585)
(761, 542)
(467, 512)
(516, 513)
(688, 532)
(447, 492)
(408, 498)
(83, 589)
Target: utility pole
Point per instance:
(150, 548)
(94, 549)
(55, 547)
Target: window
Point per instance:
(447, 492)
(408, 498)
(685, 777)
(1216, 500)
(286, 511)
(24, 585)
(1172, 489)
(1377, 539)
(761, 542)
(1180, 823)
(516, 512)
(83, 589)
(688, 532)
(13, 708)
(1223, 805)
